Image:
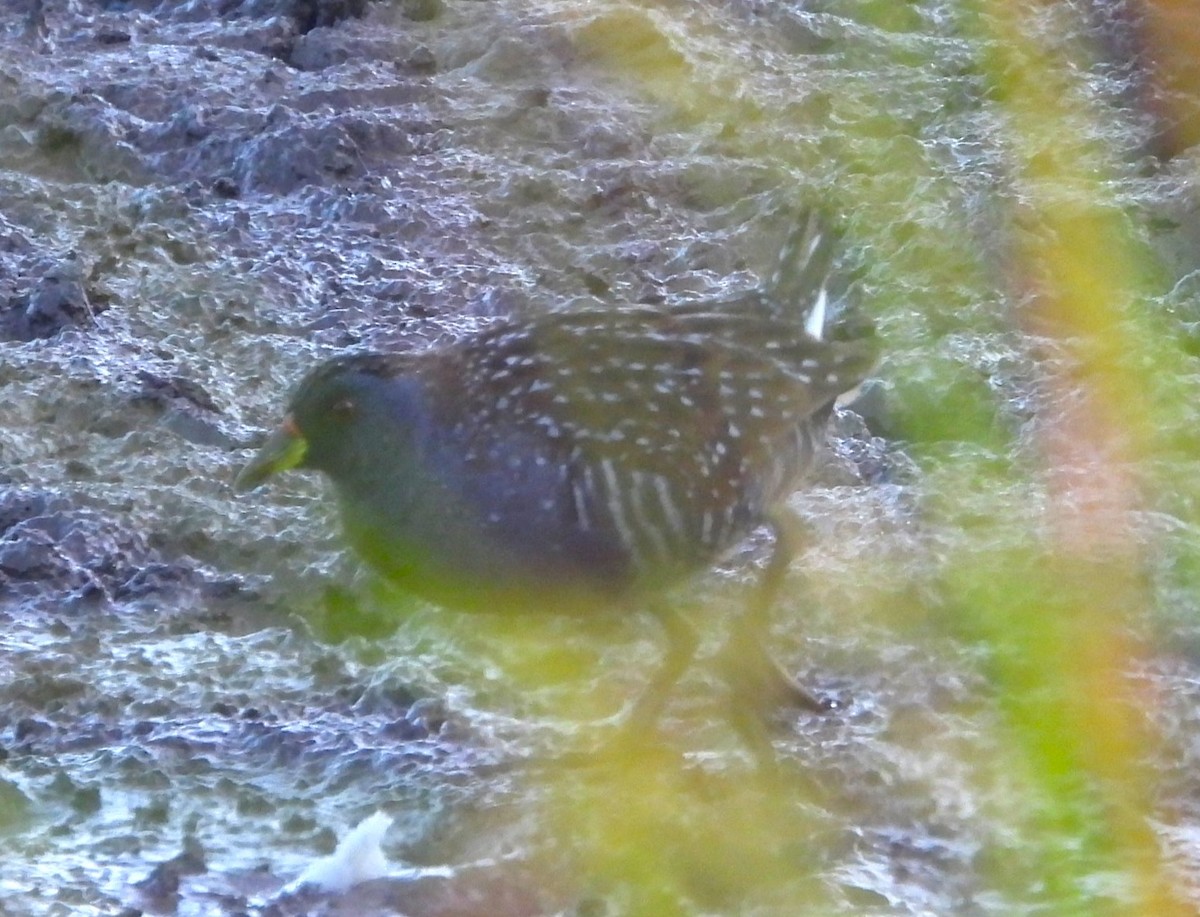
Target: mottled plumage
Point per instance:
(568, 458)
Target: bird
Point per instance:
(586, 458)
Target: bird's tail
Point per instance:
(801, 276)
(803, 283)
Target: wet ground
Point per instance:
(199, 692)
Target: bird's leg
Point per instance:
(682, 643)
(754, 676)
(636, 732)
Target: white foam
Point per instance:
(358, 858)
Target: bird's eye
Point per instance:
(343, 408)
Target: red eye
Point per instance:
(343, 408)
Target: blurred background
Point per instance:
(200, 692)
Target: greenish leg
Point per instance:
(682, 643)
(758, 684)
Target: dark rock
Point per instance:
(57, 300)
(164, 880)
(162, 389)
(422, 60)
(29, 727)
(298, 154)
(17, 506)
(112, 36)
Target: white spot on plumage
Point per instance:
(670, 511)
(612, 501)
(579, 498)
(815, 323)
(639, 491)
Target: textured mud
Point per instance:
(199, 693)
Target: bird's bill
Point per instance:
(284, 449)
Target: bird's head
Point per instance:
(344, 419)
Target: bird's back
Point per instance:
(635, 443)
(609, 448)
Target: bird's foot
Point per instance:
(757, 680)
(799, 696)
